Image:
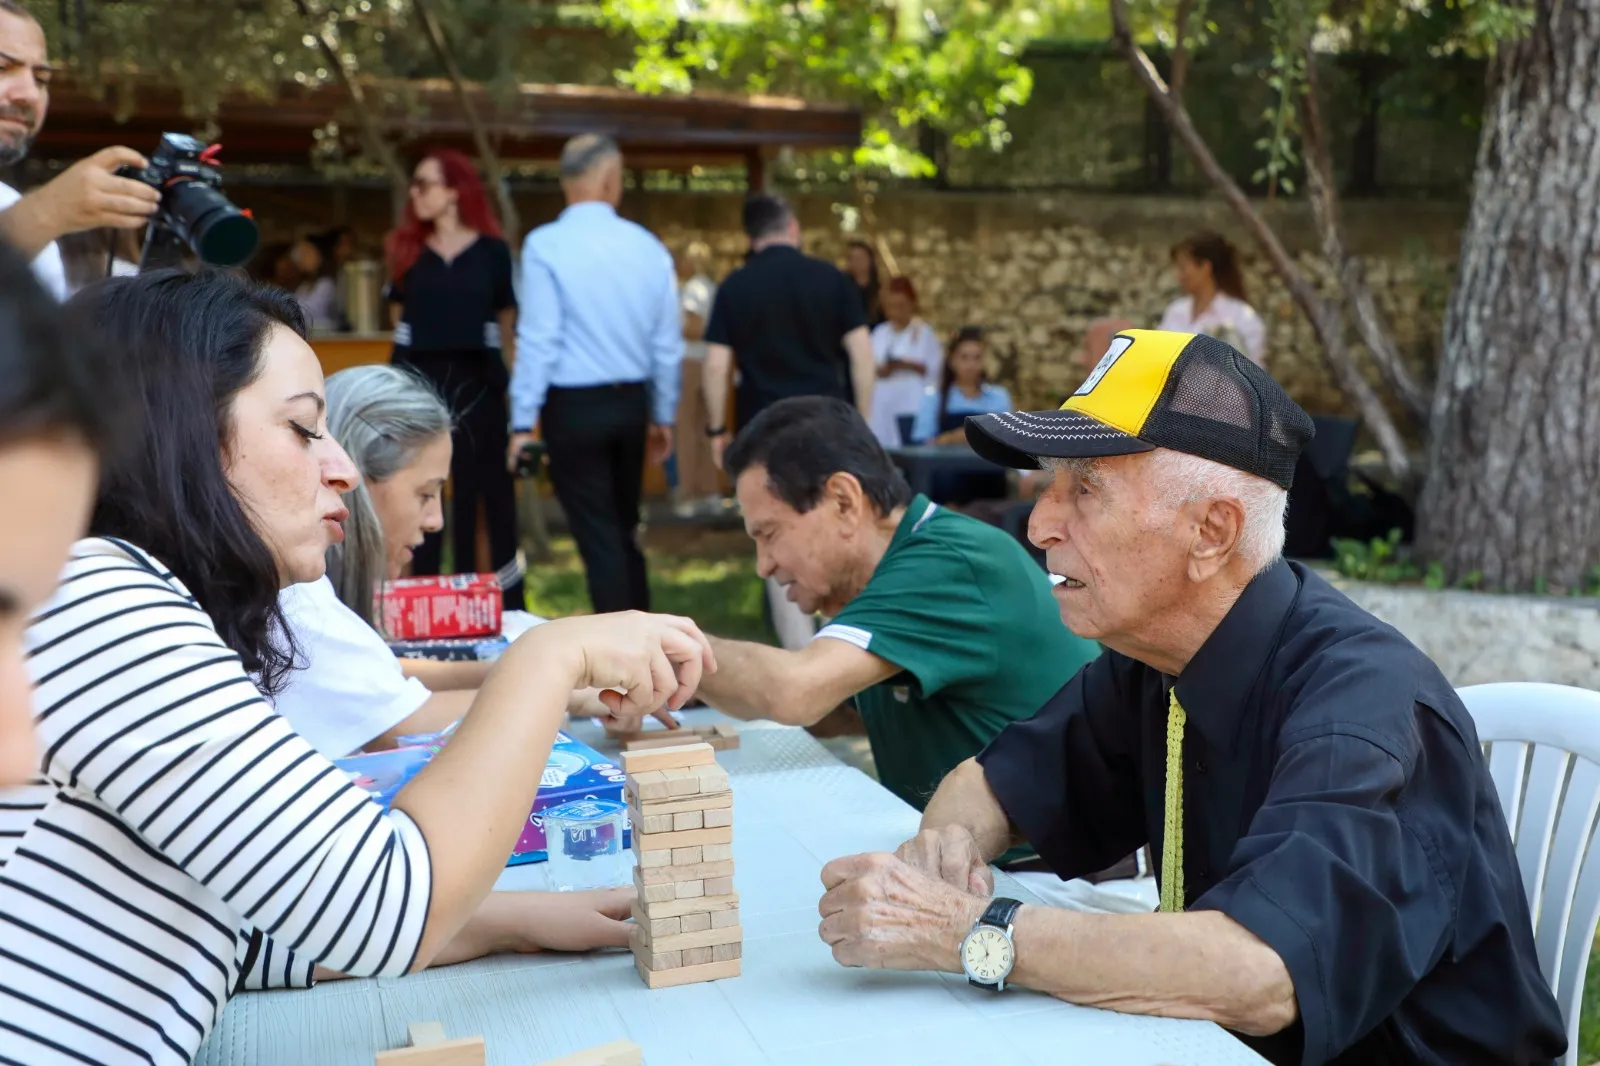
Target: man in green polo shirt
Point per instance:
(941, 627)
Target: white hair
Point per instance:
(1182, 479)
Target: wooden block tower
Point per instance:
(687, 914)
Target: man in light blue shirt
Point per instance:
(599, 346)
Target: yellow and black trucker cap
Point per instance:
(1158, 389)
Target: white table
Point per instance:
(795, 808)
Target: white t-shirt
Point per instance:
(696, 298)
(352, 689)
(1226, 319)
(901, 392)
(47, 265)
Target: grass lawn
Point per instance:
(711, 577)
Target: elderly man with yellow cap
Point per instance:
(1337, 880)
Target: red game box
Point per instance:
(455, 605)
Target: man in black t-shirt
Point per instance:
(792, 324)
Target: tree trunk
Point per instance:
(1514, 456)
(1370, 323)
(1326, 318)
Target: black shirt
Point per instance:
(1336, 803)
(455, 306)
(785, 315)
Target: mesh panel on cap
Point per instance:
(1220, 406)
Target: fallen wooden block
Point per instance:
(616, 1053)
(430, 1048)
(721, 737)
(686, 975)
(671, 758)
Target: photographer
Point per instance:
(87, 194)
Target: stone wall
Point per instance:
(1035, 268)
(1481, 637)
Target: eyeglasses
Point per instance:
(424, 184)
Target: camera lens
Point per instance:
(219, 232)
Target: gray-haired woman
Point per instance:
(350, 693)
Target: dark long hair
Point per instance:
(1217, 250)
(871, 296)
(947, 375)
(188, 345)
(52, 381)
(405, 241)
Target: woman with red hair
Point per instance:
(455, 314)
(910, 360)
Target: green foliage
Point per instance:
(1375, 560)
(947, 65)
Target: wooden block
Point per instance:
(687, 803)
(658, 738)
(687, 975)
(691, 889)
(616, 1053)
(658, 893)
(697, 956)
(725, 730)
(719, 852)
(682, 781)
(724, 952)
(648, 786)
(652, 876)
(691, 820)
(697, 754)
(719, 886)
(652, 823)
(649, 859)
(697, 922)
(468, 1052)
(643, 842)
(723, 919)
(712, 778)
(687, 856)
(694, 905)
(705, 938)
(658, 927)
(648, 955)
(711, 819)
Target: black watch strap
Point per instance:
(1001, 912)
(715, 432)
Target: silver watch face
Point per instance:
(987, 955)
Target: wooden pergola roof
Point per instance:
(655, 131)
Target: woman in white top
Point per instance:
(910, 359)
(54, 423)
(349, 692)
(183, 842)
(1207, 266)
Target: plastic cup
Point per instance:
(584, 842)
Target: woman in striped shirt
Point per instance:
(52, 425)
(184, 842)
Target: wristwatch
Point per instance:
(988, 953)
(715, 432)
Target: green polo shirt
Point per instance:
(967, 616)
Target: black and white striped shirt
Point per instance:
(184, 843)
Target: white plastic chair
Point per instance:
(1543, 744)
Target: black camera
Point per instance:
(193, 211)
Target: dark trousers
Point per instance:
(474, 385)
(595, 439)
